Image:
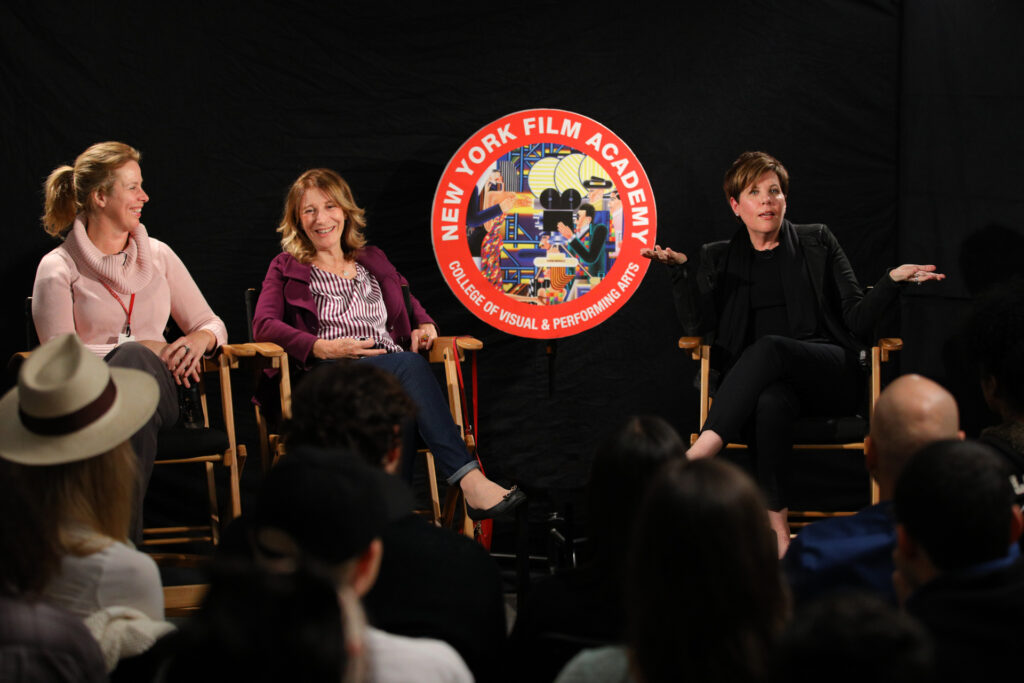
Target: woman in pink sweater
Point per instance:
(115, 287)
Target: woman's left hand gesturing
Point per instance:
(912, 272)
(183, 356)
(423, 337)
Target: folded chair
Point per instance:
(810, 434)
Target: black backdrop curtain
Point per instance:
(961, 177)
(230, 101)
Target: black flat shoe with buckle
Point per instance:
(507, 504)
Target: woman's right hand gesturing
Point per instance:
(666, 255)
(345, 347)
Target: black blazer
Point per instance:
(844, 310)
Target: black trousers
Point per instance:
(138, 357)
(776, 380)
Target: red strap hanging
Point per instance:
(483, 530)
(127, 309)
(473, 428)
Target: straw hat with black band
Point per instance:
(69, 405)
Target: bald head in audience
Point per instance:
(912, 412)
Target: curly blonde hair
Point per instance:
(294, 239)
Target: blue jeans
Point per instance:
(433, 420)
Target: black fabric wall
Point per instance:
(961, 174)
(230, 101)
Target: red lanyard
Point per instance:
(127, 309)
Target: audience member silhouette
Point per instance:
(705, 599)
(64, 434)
(989, 257)
(432, 582)
(997, 326)
(853, 638)
(257, 625)
(957, 562)
(330, 508)
(38, 641)
(855, 552)
(583, 607)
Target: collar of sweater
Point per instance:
(126, 272)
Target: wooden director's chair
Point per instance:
(447, 352)
(810, 434)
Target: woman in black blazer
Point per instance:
(786, 317)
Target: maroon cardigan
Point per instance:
(286, 313)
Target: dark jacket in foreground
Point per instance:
(976, 621)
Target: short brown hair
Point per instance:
(68, 190)
(294, 239)
(750, 166)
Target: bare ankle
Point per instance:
(779, 520)
(708, 443)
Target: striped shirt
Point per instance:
(351, 308)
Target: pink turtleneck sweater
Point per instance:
(69, 296)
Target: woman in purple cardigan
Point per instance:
(329, 296)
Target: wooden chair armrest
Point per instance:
(462, 343)
(252, 349)
(887, 345)
(690, 343)
(223, 357)
(699, 351)
(277, 357)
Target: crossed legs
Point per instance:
(774, 381)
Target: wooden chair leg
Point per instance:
(453, 507)
(276, 448)
(435, 496)
(234, 482)
(467, 524)
(265, 449)
(211, 490)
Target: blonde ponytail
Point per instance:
(68, 190)
(59, 208)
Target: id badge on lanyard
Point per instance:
(125, 335)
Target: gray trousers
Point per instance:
(138, 357)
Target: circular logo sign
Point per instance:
(538, 223)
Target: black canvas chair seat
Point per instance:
(179, 443)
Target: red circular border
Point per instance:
(448, 230)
